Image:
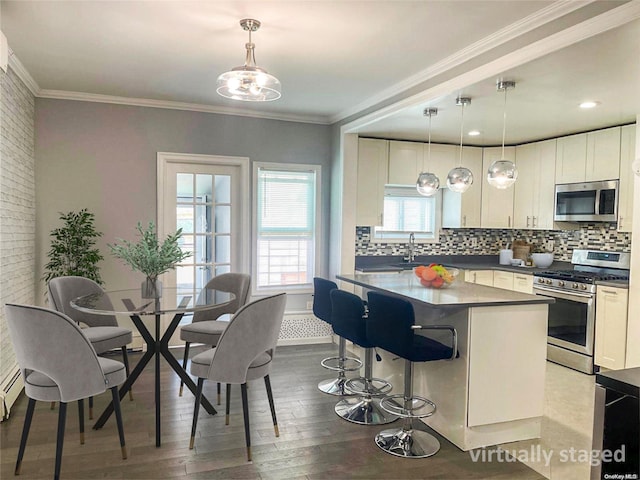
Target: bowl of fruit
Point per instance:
(435, 275)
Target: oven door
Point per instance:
(571, 319)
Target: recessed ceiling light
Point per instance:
(589, 104)
(474, 133)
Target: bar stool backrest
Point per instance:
(322, 299)
(389, 324)
(347, 318)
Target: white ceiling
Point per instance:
(332, 57)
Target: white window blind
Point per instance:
(405, 212)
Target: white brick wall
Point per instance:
(17, 204)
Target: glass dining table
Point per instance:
(174, 301)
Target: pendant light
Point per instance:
(428, 183)
(249, 82)
(460, 178)
(503, 173)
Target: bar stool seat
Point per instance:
(391, 326)
(349, 321)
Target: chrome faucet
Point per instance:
(411, 249)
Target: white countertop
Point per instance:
(459, 294)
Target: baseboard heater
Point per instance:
(11, 388)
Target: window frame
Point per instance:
(317, 230)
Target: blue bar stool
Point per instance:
(341, 364)
(350, 321)
(391, 326)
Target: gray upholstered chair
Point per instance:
(59, 364)
(102, 330)
(205, 328)
(244, 352)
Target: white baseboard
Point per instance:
(9, 391)
(304, 341)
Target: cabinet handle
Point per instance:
(533, 222)
(620, 222)
(527, 221)
(612, 292)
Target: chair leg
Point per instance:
(81, 419)
(218, 393)
(228, 404)
(25, 433)
(62, 417)
(116, 409)
(185, 359)
(267, 384)
(245, 412)
(196, 409)
(125, 360)
(90, 408)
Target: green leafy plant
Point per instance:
(147, 255)
(73, 250)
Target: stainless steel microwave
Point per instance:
(587, 202)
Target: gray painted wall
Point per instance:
(103, 157)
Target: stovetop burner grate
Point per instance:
(578, 276)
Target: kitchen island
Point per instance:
(494, 392)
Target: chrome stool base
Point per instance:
(408, 443)
(334, 386)
(364, 411)
(342, 364)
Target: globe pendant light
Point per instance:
(249, 82)
(460, 178)
(503, 173)
(428, 183)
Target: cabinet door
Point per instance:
(611, 327)
(503, 280)
(571, 156)
(443, 158)
(484, 277)
(405, 162)
(603, 155)
(497, 205)
(523, 283)
(373, 157)
(525, 186)
(462, 210)
(625, 199)
(544, 192)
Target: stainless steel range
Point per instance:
(571, 329)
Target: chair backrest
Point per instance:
(64, 289)
(389, 323)
(347, 317)
(51, 343)
(236, 283)
(252, 331)
(322, 299)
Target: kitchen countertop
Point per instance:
(624, 381)
(459, 294)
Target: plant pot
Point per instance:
(151, 288)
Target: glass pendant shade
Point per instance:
(459, 179)
(249, 82)
(502, 174)
(428, 184)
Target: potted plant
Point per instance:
(73, 250)
(150, 257)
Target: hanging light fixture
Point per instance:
(503, 173)
(460, 178)
(249, 82)
(428, 183)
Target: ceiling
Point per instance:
(333, 58)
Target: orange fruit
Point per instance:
(437, 282)
(425, 282)
(429, 274)
(418, 270)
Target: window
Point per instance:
(406, 211)
(286, 225)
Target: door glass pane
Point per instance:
(204, 185)
(184, 218)
(184, 186)
(203, 275)
(220, 269)
(223, 219)
(203, 218)
(185, 276)
(223, 249)
(203, 249)
(223, 189)
(186, 245)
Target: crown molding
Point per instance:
(23, 74)
(504, 35)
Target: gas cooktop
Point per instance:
(582, 276)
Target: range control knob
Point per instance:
(574, 285)
(541, 280)
(583, 287)
(561, 283)
(548, 282)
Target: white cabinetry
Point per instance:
(535, 187)
(625, 194)
(481, 277)
(497, 204)
(463, 210)
(588, 157)
(523, 283)
(373, 159)
(503, 280)
(611, 327)
(571, 154)
(405, 162)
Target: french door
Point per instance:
(206, 197)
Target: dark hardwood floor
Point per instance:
(314, 442)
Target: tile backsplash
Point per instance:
(480, 241)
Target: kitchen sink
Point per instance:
(406, 265)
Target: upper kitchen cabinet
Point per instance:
(534, 189)
(463, 210)
(588, 157)
(497, 204)
(405, 162)
(373, 160)
(625, 193)
(442, 159)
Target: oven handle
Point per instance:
(566, 296)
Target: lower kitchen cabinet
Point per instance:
(523, 283)
(611, 327)
(503, 280)
(481, 277)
